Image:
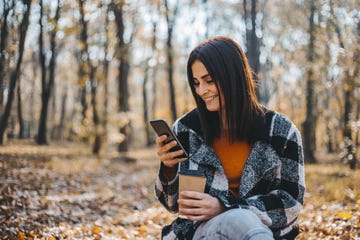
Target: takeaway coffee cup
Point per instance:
(191, 180)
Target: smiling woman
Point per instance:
(251, 156)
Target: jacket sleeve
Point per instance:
(278, 202)
(167, 191)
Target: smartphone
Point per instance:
(161, 127)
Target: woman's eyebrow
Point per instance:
(204, 76)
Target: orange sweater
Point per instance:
(233, 157)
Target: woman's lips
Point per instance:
(209, 99)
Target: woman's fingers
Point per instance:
(191, 211)
(198, 206)
(162, 147)
(167, 157)
(172, 155)
(193, 195)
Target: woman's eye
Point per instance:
(196, 83)
(209, 81)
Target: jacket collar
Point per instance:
(259, 131)
(261, 126)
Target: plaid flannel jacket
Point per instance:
(272, 184)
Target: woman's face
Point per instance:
(205, 87)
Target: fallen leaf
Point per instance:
(21, 236)
(96, 230)
(344, 215)
(143, 228)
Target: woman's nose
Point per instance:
(203, 89)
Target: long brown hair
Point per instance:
(228, 67)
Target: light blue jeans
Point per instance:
(239, 224)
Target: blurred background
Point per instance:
(96, 71)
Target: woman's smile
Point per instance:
(210, 99)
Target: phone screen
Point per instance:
(162, 128)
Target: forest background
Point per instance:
(93, 73)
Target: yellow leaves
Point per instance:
(344, 215)
(21, 236)
(119, 196)
(143, 228)
(96, 230)
(332, 204)
(32, 235)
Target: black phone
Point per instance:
(161, 127)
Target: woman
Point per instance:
(251, 156)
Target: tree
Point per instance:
(147, 72)
(123, 56)
(309, 125)
(90, 68)
(106, 64)
(16, 73)
(19, 111)
(170, 20)
(350, 83)
(253, 42)
(7, 6)
(47, 79)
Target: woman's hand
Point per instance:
(198, 206)
(169, 159)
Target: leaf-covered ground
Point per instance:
(63, 192)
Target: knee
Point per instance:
(244, 221)
(242, 216)
(240, 222)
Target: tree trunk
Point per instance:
(82, 71)
(149, 139)
(19, 111)
(170, 56)
(124, 102)
(93, 81)
(309, 126)
(208, 17)
(357, 134)
(96, 120)
(145, 105)
(329, 93)
(41, 136)
(106, 76)
(252, 42)
(3, 44)
(124, 68)
(15, 74)
(350, 78)
(62, 116)
(350, 151)
(47, 85)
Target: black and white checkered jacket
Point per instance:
(272, 184)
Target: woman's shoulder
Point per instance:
(281, 125)
(189, 120)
